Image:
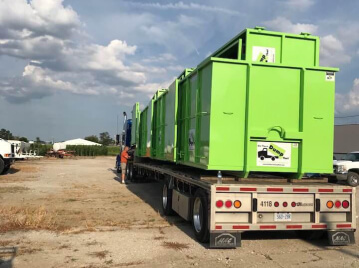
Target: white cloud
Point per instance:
(332, 52)
(183, 6)
(348, 102)
(44, 33)
(284, 25)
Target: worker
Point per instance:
(124, 158)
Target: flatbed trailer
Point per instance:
(222, 208)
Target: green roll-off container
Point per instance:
(260, 103)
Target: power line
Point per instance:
(346, 116)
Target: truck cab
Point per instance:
(347, 169)
(7, 155)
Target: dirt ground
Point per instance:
(75, 213)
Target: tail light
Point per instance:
(294, 204)
(345, 204)
(219, 203)
(330, 204)
(228, 203)
(237, 204)
(276, 204)
(285, 204)
(338, 204)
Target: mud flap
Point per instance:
(341, 238)
(225, 240)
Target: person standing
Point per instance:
(124, 158)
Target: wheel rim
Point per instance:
(164, 196)
(353, 179)
(197, 214)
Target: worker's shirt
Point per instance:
(124, 157)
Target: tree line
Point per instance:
(103, 138)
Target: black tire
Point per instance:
(167, 199)
(128, 172)
(200, 216)
(273, 158)
(262, 158)
(6, 169)
(2, 166)
(353, 179)
(131, 176)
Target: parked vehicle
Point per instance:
(347, 169)
(208, 136)
(7, 155)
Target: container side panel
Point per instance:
(263, 48)
(227, 116)
(149, 128)
(143, 133)
(318, 125)
(170, 126)
(192, 98)
(204, 115)
(184, 109)
(273, 115)
(299, 52)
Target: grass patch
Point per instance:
(12, 190)
(16, 219)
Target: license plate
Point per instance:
(282, 216)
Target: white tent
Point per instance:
(80, 142)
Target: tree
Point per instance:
(105, 138)
(38, 140)
(23, 139)
(92, 138)
(6, 134)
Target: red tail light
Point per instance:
(285, 204)
(228, 203)
(345, 204)
(294, 204)
(276, 204)
(338, 204)
(219, 203)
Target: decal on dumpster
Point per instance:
(330, 76)
(274, 154)
(263, 54)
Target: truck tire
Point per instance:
(128, 172)
(200, 216)
(167, 199)
(6, 169)
(353, 179)
(2, 166)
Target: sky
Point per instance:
(69, 68)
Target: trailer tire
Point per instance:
(2, 166)
(353, 179)
(200, 216)
(167, 199)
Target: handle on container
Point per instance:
(279, 129)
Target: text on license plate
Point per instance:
(280, 216)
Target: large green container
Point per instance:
(260, 103)
(146, 138)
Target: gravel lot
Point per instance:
(75, 213)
